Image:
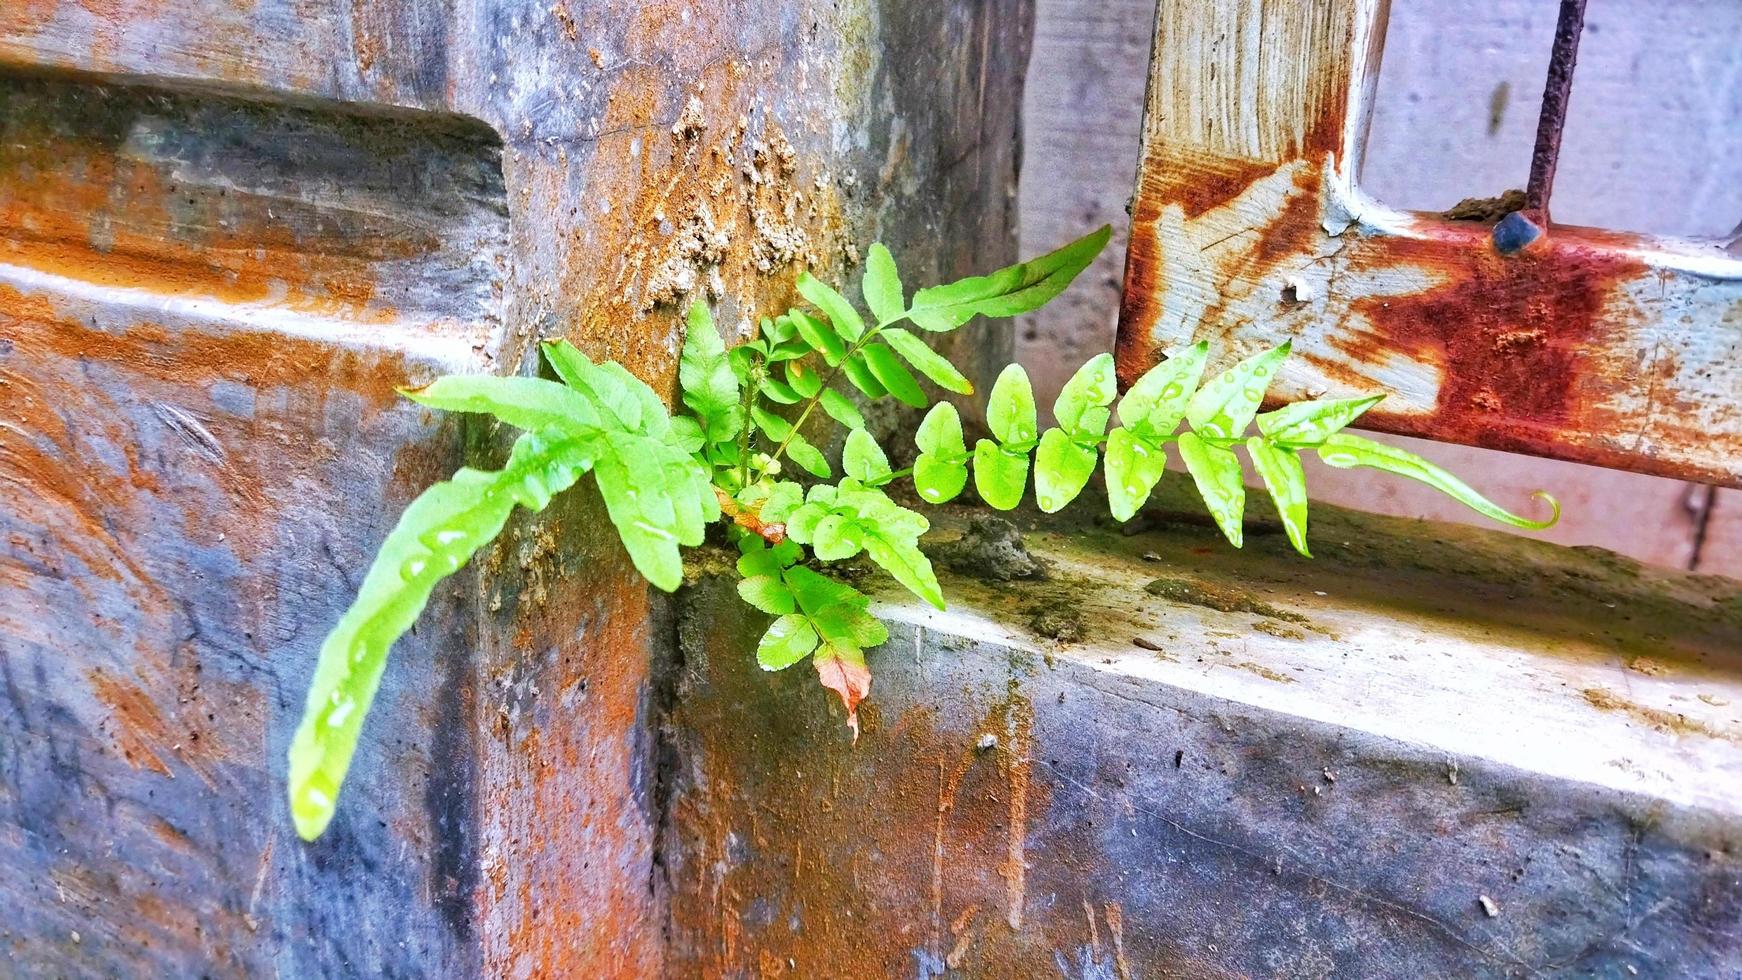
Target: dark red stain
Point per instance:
(1510, 334)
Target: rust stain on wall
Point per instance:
(1510, 334)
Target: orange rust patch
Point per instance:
(139, 729)
(1507, 332)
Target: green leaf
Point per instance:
(1133, 466)
(623, 400)
(783, 498)
(525, 403)
(1156, 403)
(434, 538)
(767, 593)
(1015, 289)
(808, 456)
(804, 379)
(929, 362)
(1062, 468)
(820, 336)
(1010, 412)
(939, 479)
(1216, 471)
(789, 639)
(882, 285)
(638, 498)
(1310, 423)
(1344, 450)
(686, 434)
(842, 409)
(841, 314)
(1285, 478)
(780, 392)
(908, 565)
(860, 374)
(1081, 408)
(862, 459)
(889, 373)
(772, 425)
(710, 386)
(1227, 402)
(1000, 476)
(940, 432)
(836, 537)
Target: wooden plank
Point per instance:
(1249, 228)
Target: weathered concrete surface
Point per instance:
(229, 230)
(1264, 767)
(1249, 228)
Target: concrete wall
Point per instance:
(1653, 144)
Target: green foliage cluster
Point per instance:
(665, 478)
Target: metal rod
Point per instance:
(1556, 94)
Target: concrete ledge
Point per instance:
(1431, 752)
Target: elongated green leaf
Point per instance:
(1061, 469)
(1081, 408)
(710, 386)
(1015, 289)
(841, 314)
(1010, 411)
(862, 459)
(1344, 450)
(940, 433)
(1226, 403)
(623, 401)
(638, 499)
(842, 409)
(1216, 471)
(436, 535)
(789, 639)
(1310, 423)
(525, 403)
(929, 362)
(860, 374)
(808, 456)
(1133, 466)
(908, 565)
(1000, 476)
(821, 337)
(1286, 480)
(882, 285)
(890, 373)
(1156, 403)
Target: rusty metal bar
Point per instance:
(1556, 94)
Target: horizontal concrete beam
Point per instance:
(1430, 752)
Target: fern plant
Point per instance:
(731, 451)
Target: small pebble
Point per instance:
(1151, 556)
(1488, 906)
(987, 741)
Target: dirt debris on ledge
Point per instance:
(1485, 208)
(991, 550)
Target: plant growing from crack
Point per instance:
(726, 454)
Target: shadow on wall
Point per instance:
(1652, 144)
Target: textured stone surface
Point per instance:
(1271, 768)
(227, 231)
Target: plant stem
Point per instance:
(811, 403)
